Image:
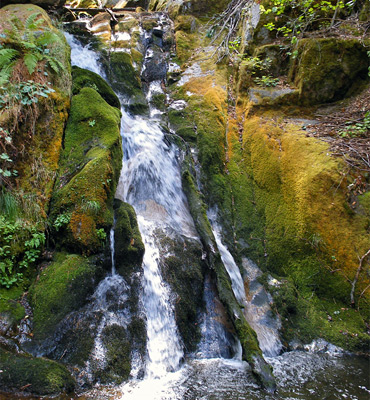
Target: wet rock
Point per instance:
(155, 67)
(182, 268)
(33, 375)
(128, 245)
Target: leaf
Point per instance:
(7, 56)
(30, 60)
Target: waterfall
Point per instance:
(150, 181)
(256, 306)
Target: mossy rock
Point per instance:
(118, 355)
(327, 70)
(365, 12)
(33, 375)
(186, 23)
(84, 78)
(181, 122)
(128, 245)
(183, 269)
(11, 310)
(62, 287)
(125, 79)
(89, 170)
(278, 56)
(35, 156)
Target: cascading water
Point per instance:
(256, 307)
(151, 181)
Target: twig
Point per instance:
(354, 282)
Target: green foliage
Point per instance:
(266, 81)
(100, 233)
(301, 14)
(6, 170)
(61, 220)
(20, 247)
(23, 93)
(358, 129)
(234, 44)
(9, 205)
(31, 45)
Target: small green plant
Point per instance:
(92, 123)
(23, 93)
(31, 46)
(256, 65)
(20, 247)
(235, 44)
(92, 206)
(358, 129)
(300, 16)
(9, 205)
(100, 233)
(266, 81)
(61, 220)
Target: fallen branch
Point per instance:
(354, 282)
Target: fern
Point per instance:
(7, 56)
(47, 38)
(5, 73)
(31, 23)
(54, 64)
(31, 60)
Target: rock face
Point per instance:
(39, 132)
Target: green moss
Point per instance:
(186, 43)
(63, 286)
(181, 122)
(128, 245)
(89, 172)
(118, 355)
(328, 69)
(159, 101)
(34, 375)
(364, 201)
(11, 311)
(125, 79)
(85, 78)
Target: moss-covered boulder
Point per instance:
(128, 245)
(125, 80)
(82, 205)
(23, 373)
(34, 110)
(63, 286)
(326, 70)
(84, 78)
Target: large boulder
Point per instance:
(82, 206)
(327, 70)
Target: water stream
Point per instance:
(151, 182)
